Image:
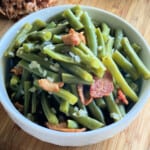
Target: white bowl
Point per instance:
(84, 138)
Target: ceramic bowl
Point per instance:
(83, 138)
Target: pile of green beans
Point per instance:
(39, 50)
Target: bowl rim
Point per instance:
(134, 110)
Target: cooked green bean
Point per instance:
(122, 109)
(50, 115)
(125, 64)
(109, 46)
(85, 120)
(118, 38)
(57, 39)
(36, 69)
(72, 79)
(113, 108)
(101, 43)
(72, 124)
(105, 31)
(57, 56)
(72, 19)
(90, 32)
(34, 103)
(18, 40)
(96, 112)
(78, 71)
(38, 24)
(112, 67)
(39, 35)
(101, 103)
(67, 96)
(136, 48)
(137, 62)
(64, 107)
(27, 94)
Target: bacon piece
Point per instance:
(17, 70)
(84, 101)
(122, 97)
(49, 86)
(73, 38)
(63, 127)
(19, 106)
(102, 86)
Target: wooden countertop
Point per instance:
(137, 135)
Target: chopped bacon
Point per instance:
(122, 97)
(19, 106)
(73, 38)
(102, 86)
(49, 86)
(82, 97)
(63, 127)
(17, 70)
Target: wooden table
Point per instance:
(137, 135)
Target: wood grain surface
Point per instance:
(137, 135)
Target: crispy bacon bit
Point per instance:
(102, 87)
(63, 127)
(122, 97)
(17, 70)
(19, 106)
(82, 97)
(49, 86)
(73, 38)
(15, 9)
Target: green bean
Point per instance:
(67, 96)
(79, 103)
(86, 59)
(72, 124)
(34, 103)
(78, 71)
(72, 19)
(85, 49)
(38, 24)
(77, 11)
(125, 64)
(109, 46)
(136, 48)
(72, 79)
(31, 47)
(50, 115)
(112, 67)
(101, 103)
(96, 112)
(30, 116)
(57, 56)
(50, 25)
(101, 43)
(90, 32)
(64, 107)
(136, 61)
(85, 120)
(38, 71)
(122, 109)
(118, 38)
(27, 94)
(39, 35)
(18, 40)
(24, 77)
(33, 57)
(113, 108)
(105, 31)
(14, 81)
(57, 39)
(60, 28)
